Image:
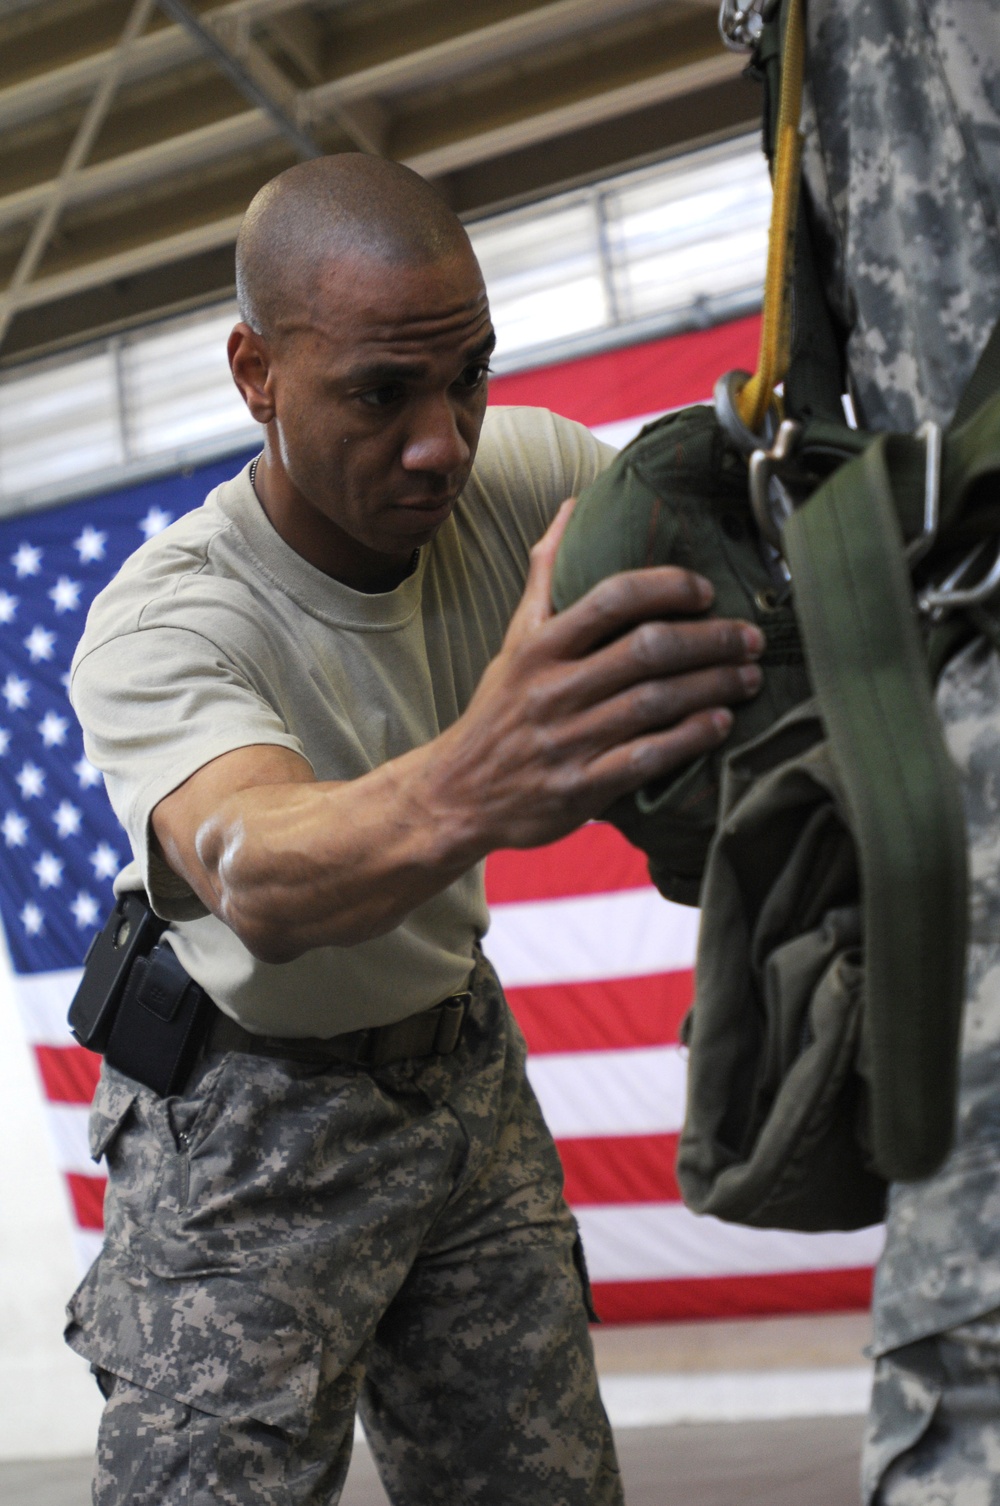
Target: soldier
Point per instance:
(318, 702)
(903, 167)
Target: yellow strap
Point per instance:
(773, 357)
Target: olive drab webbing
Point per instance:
(826, 840)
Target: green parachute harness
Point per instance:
(826, 841)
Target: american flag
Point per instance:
(596, 965)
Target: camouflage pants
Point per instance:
(940, 1400)
(286, 1243)
(934, 1429)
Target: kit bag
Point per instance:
(826, 841)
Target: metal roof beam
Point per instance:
(466, 151)
(86, 134)
(239, 135)
(156, 53)
(172, 47)
(176, 154)
(265, 87)
(159, 253)
(498, 42)
(242, 134)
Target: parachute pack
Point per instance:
(825, 842)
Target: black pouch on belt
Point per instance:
(160, 1023)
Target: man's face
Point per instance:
(377, 390)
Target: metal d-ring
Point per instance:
(727, 390)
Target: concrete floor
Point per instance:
(761, 1463)
(711, 1464)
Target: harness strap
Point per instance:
(868, 664)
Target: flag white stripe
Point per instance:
(664, 1241)
(86, 1246)
(43, 1000)
(639, 1091)
(68, 1128)
(626, 934)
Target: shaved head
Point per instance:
(330, 209)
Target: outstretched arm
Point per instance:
(576, 709)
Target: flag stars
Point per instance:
(90, 546)
(8, 607)
(31, 781)
(49, 870)
(4, 741)
(104, 861)
(154, 522)
(27, 560)
(40, 643)
(85, 910)
(53, 729)
(67, 819)
(86, 774)
(16, 692)
(65, 594)
(14, 829)
(32, 919)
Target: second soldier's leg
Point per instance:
(936, 1414)
(934, 1427)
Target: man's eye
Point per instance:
(382, 397)
(475, 375)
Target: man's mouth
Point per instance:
(427, 506)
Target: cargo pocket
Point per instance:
(905, 1398)
(218, 1345)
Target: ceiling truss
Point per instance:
(134, 132)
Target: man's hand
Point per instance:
(627, 685)
(577, 709)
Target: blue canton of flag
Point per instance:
(61, 842)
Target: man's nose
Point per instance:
(435, 441)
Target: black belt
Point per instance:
(432, 1032)
(165, 1021)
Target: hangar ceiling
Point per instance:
(134, 132)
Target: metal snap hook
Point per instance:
(949, 595)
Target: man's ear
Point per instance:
(250, 364)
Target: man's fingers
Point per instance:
(622, 601)
(656, 705)
(658, 652)
(657, 755)
(536, 603)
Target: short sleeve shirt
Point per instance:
(217, 635)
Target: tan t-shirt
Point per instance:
(216, 635)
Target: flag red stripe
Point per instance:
(594, 860)
(733, 1296)
(637, 379)
(620, 1169)
(605, 1016)
(88, 1199)
(69, 1073)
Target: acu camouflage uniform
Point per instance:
(287, 1239)
(903, 165)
